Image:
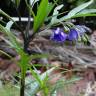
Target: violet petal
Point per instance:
(73, 35)
(58, 35)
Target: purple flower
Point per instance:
(58, 35)
(73, 35)
(82, 29)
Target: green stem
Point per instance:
(22, 82)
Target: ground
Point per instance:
(81, 57)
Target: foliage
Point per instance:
(70, 4)
(39, 19)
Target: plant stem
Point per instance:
(22, 87)
(27, 41)
(20, 25)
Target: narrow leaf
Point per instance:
(49, 8)
(34, 87)
(86, 11)
(9, 25)
(79, 8)
(75, 11)
(41, 15)
(12, 37)
(83, 15)
(56, 12)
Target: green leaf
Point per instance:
(10, 18)
(76, 12)
(56, 12)
(79, 8)
(5, 54)
(9, 25)
(36, 76)
(79, 11)
(6, 15)
(83, 15)
(6, 30)
(41, 15)
(13, 42)
(49, 8)
(34, 86)
(86, 11)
